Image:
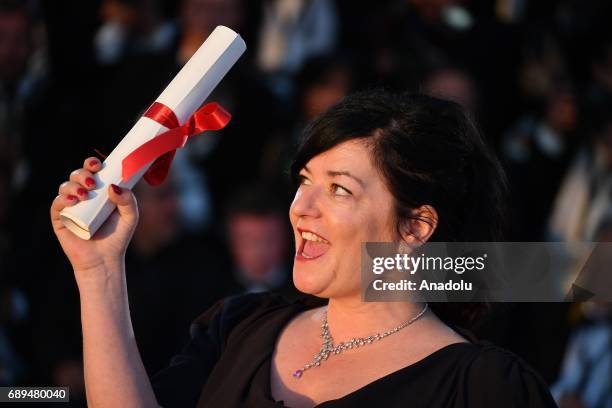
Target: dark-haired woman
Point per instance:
(375, 167)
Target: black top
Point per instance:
(227, 364)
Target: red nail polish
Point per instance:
(90, 182)
(71, 197)
(93, 162)
(116, 189)
(81, 191)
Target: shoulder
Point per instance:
(493, 376)
(243, 306)
(241, 310)
(180, 384)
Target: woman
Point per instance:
(375, 167)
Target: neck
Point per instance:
(348, 318)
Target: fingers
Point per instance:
(84, 178)
(82, 181)
(73, 190)
(92, 164)
(76, 189)
(59, 203)
(70, 193)
(125, 201)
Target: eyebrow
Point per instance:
(333, 173)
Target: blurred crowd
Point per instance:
(75, 76)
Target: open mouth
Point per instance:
(311, 246)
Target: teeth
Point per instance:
(313, 237)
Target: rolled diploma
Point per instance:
(184, 95)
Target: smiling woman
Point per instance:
(376, 167)
(420, 156)
(340, 203)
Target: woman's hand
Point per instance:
(114, 373)
(108, 245)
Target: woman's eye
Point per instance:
(339, 190)
(303, 180)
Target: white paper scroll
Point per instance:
(183, 95)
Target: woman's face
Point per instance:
(342, 201)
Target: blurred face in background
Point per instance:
(141, 16)
(202, 16)
(430, 10)
(325, 93)
(561, 111)
(118, 10)
(15, 44)
(159, 217)
(452, 85)
(258, 242)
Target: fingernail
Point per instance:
(93, 162)
(81, 191)
(71, 197)
(116, 189)
(90, 182)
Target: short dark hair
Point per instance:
(429, 152)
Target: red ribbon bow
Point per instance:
(163, 147)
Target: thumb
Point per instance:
(125, 201)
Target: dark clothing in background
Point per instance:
(534, 184)
(168, 290)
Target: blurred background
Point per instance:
(75, 76)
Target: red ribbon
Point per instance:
(163, 147)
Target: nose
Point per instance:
(306, 203)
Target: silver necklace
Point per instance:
(329, 348)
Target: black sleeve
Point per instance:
(181, 383)
(498, 378)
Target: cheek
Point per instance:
(381, 229)
(345, 222)
(351, 229)
(370, 224)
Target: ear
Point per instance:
(420, 226)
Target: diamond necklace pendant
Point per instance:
(328, 348)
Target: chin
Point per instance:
(305, 281)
